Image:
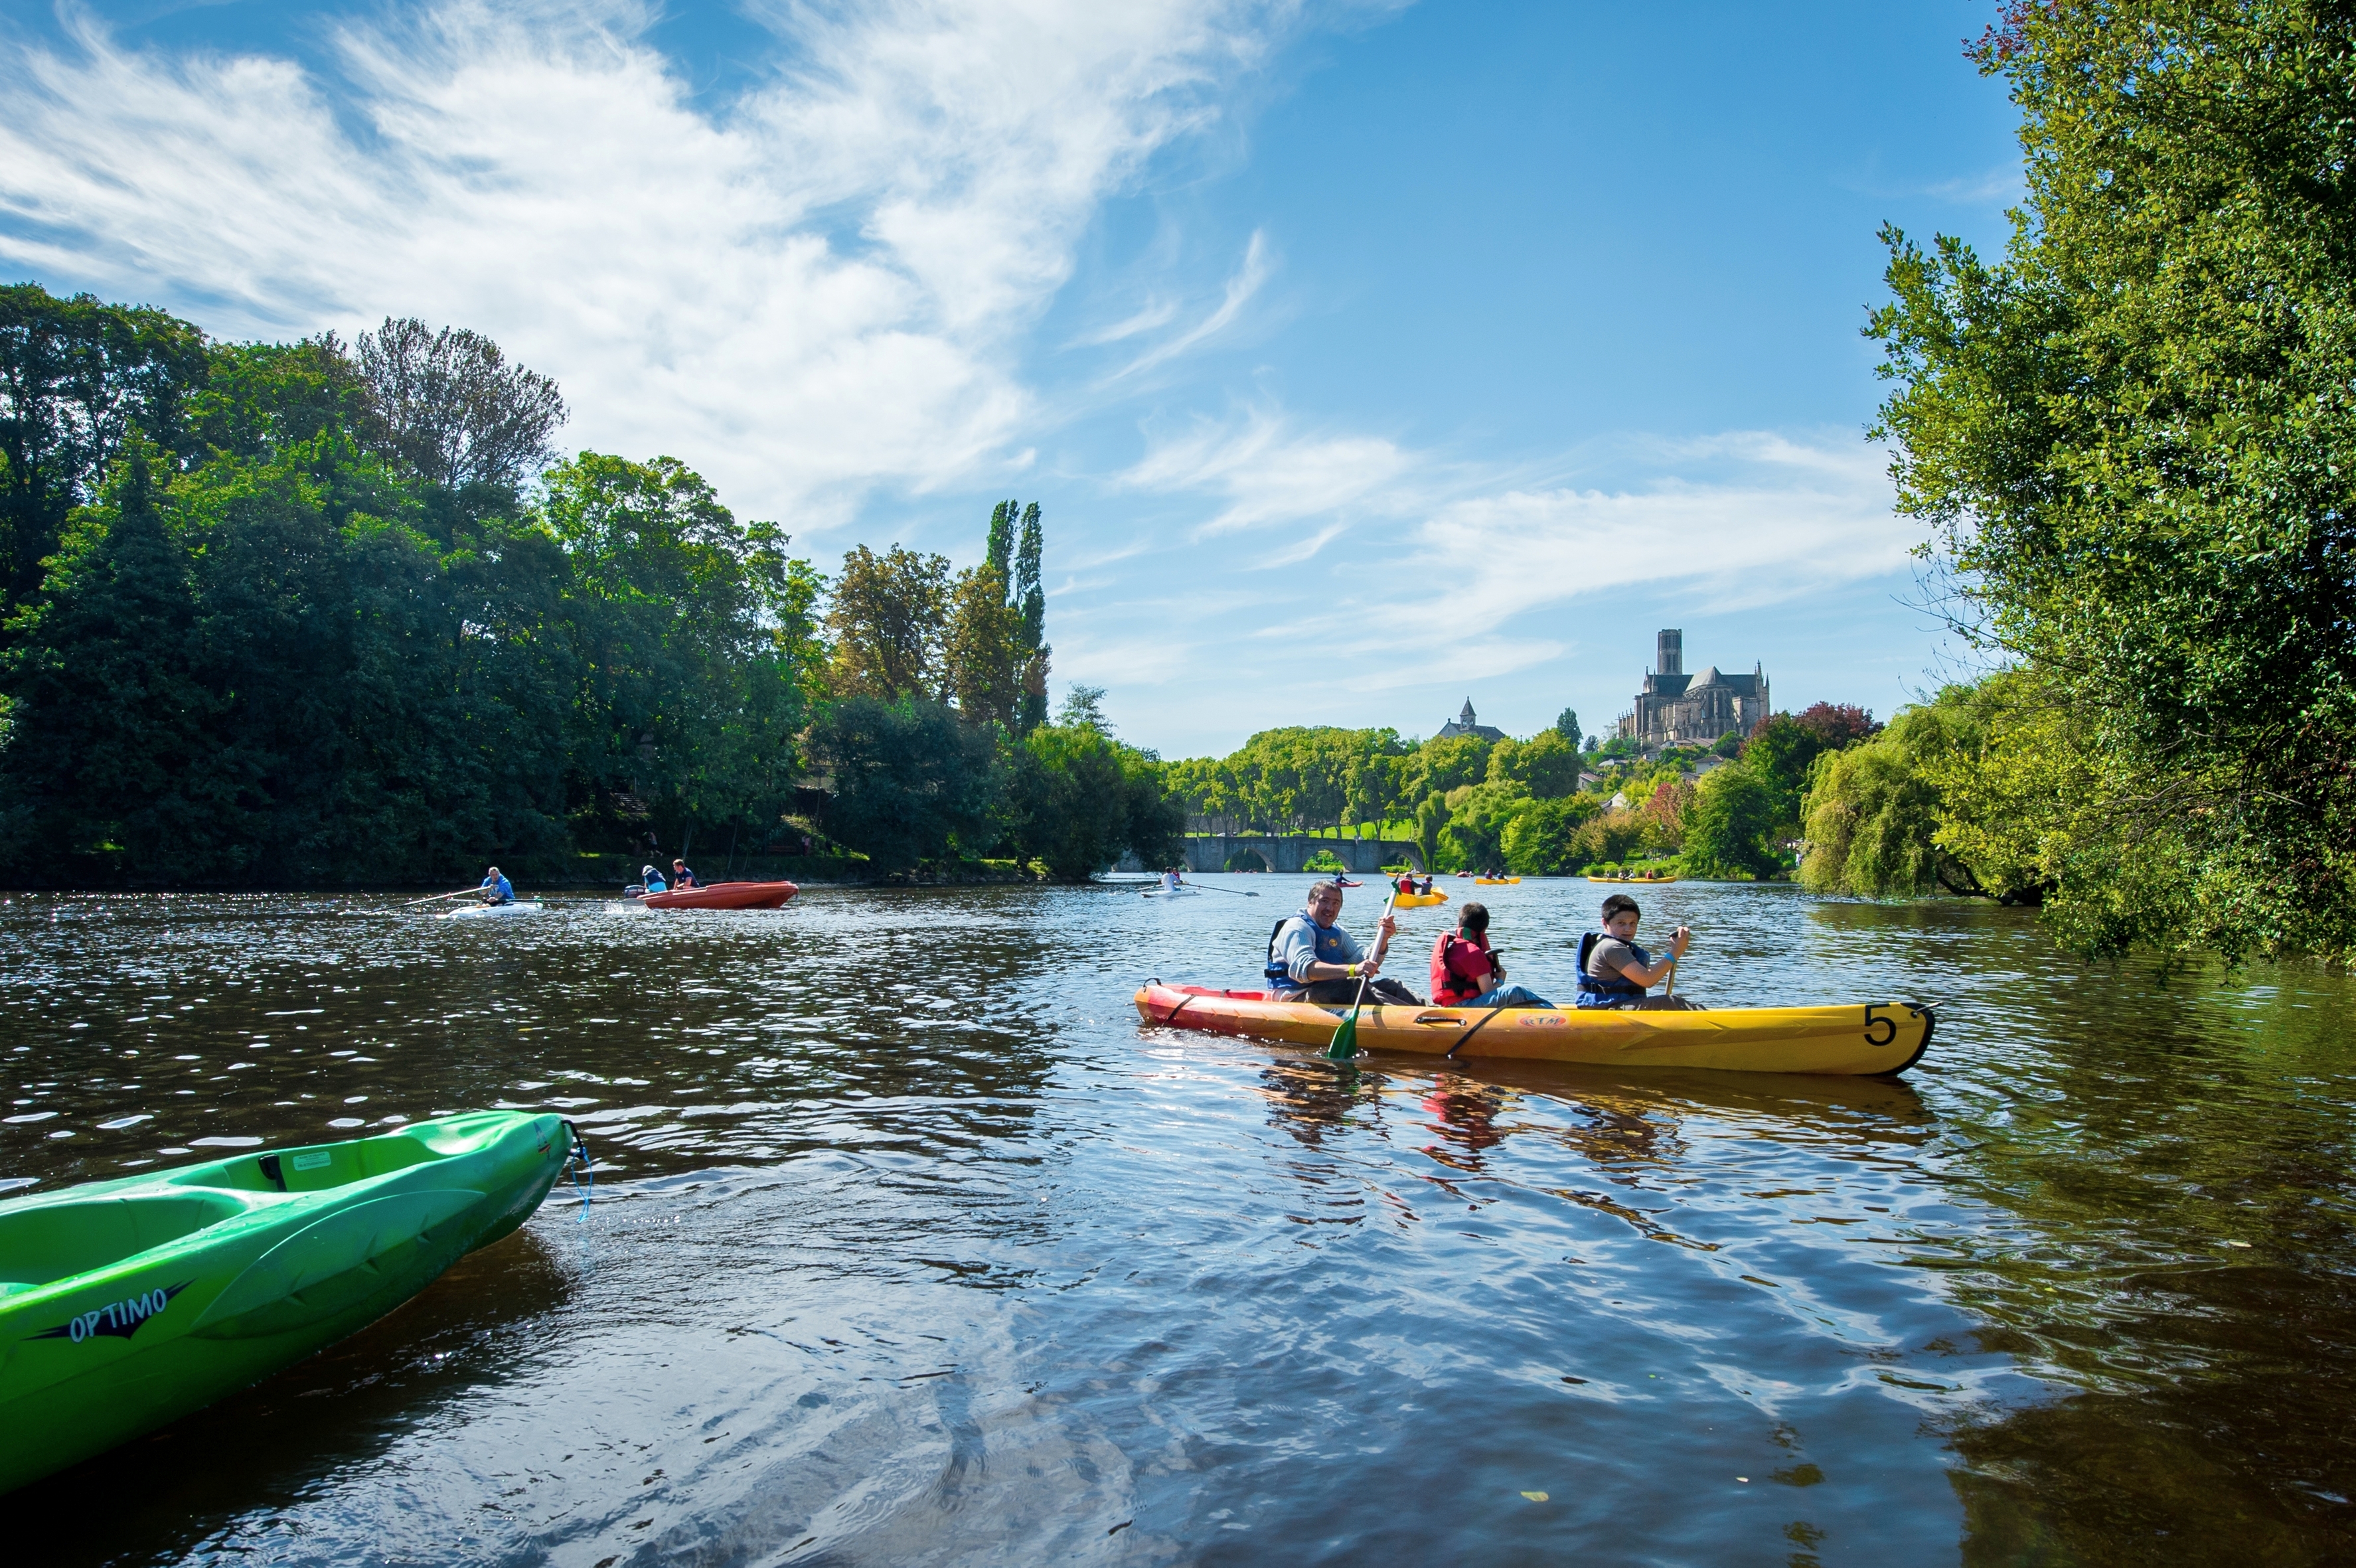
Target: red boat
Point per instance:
(723, 896)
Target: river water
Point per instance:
(908, 1245)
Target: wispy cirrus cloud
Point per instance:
(1244, 282)
(1273, 477)
(813, 293)
(1460, 571)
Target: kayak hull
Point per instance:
(1495, 881)
(1419, 900)
(480, 911)
(1855, 1040)
(126, 1305)
(724, 895)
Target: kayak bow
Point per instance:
(125, 1305)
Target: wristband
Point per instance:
(1351, 973)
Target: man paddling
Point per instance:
(1465, 972)
(496, 889)
(1311, 958)
(1613, 972)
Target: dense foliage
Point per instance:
(286, 613)
(2134, 439)
(1537, 807)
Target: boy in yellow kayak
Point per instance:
(1613, 972)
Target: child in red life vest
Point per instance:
(1466, 974)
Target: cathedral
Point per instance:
(1676, 708)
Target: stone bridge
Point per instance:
(1292, 851)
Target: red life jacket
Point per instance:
(1446, 989)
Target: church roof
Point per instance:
(1468, 722)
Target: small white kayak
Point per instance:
(1172, 893)
(476, 911)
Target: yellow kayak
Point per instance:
(1855, 1039)
(1493, 881)
(1419, 900)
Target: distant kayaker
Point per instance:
(1406, 885)
(1311, 958)
(680, 877)
(496, 889)
(1171, 881)
(1465, 972)
(1613, 972)
(653, 880)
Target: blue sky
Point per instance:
(1362, 358)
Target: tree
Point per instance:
(111, 757)
(77, 377)
(983, 648)
(1083, 708)
(1565, 725)
(885, 618)
(1779, 755)
(1920, 807)
(1478, 816)
(1431, 822)
(2130, 440)
(449, 406)
(1838, 725)
(1031, 598)
(1543, 839)
(1730, 830)
(909, 783)
(1546, 766)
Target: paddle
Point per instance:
(460, 894)
(1202, 887)
(1346, 1038)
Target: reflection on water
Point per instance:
(909, 1245)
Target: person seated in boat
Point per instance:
(1406, 885)
(1311, 958)
(1425, 891)
(1466, 972)
(652, 880)
(496, 889)
(1171, 881)
(681, 877)
(1613, 972)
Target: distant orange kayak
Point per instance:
(724, 895)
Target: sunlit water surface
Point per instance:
(909, 1245)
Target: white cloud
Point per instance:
(1240, 288)
(1460, 573)
(1273, 479)
(810, 295)
(1789, 516)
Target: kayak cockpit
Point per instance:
(51, 1242)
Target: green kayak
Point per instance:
(127, 1304)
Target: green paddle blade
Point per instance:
(1346, 1038)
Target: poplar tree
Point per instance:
(1031, 598)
